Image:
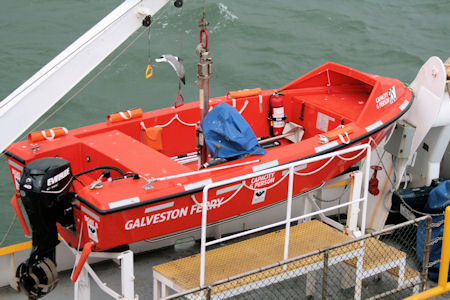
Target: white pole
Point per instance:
(288, 213)
(82, 288)
(366, 189)
(127, 274)
(203, 237)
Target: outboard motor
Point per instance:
(44, 189)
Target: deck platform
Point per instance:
(368, 257)
(253, 254)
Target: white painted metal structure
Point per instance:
(430, 116)
(82, 290)
(355, 202)
(39, 93)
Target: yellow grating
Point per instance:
(377, 253)
(256, 253)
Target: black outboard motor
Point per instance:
(44, 189)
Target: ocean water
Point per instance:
(253, 44)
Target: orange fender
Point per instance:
(48, 134)
(335, 134)
(125, 115)
(87, 249)
(244, 93)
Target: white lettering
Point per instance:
(156, 218)
(58, 177)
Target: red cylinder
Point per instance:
(277, 104)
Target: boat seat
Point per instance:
(117, 148)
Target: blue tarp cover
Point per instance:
(438, 200)
(228, 135)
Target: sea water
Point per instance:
(253, 44)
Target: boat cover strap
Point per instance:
(228, 135)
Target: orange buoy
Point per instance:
(244, 93)
(125, 115)
(48, 134)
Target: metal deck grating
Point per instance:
(255, 253)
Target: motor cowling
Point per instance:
(44, 189)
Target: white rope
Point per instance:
(316, 170)
(222, 202)
(341, 137)
(51, 137)
(243, 107)
(176, 117)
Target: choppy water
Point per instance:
(253, 44)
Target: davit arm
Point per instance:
(40, 92)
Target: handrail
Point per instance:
(288, 219)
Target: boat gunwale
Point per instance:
(196, 190)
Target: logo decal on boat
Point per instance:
(386, 98)
(16, 175)
(58, 177)
(259, 196)
(91, 228)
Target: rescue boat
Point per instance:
(136, 176)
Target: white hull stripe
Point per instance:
(297, 168)
(159, 207)
(124, 202)
(15, 165)
(266, 165)
(196, 185)
(326, 146)
(404, 105)
(228, 189)
(90, 213)
(374, 126)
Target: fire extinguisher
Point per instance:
(276, 114)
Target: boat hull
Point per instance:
(156, 194)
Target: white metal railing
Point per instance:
(289, 219)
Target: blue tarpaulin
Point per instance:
(438, 200)
(228, 135)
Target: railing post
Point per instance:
(426, 253)
(288, 213)
(325, 275)
(445, 251)
(203, 237)
(366, 189)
